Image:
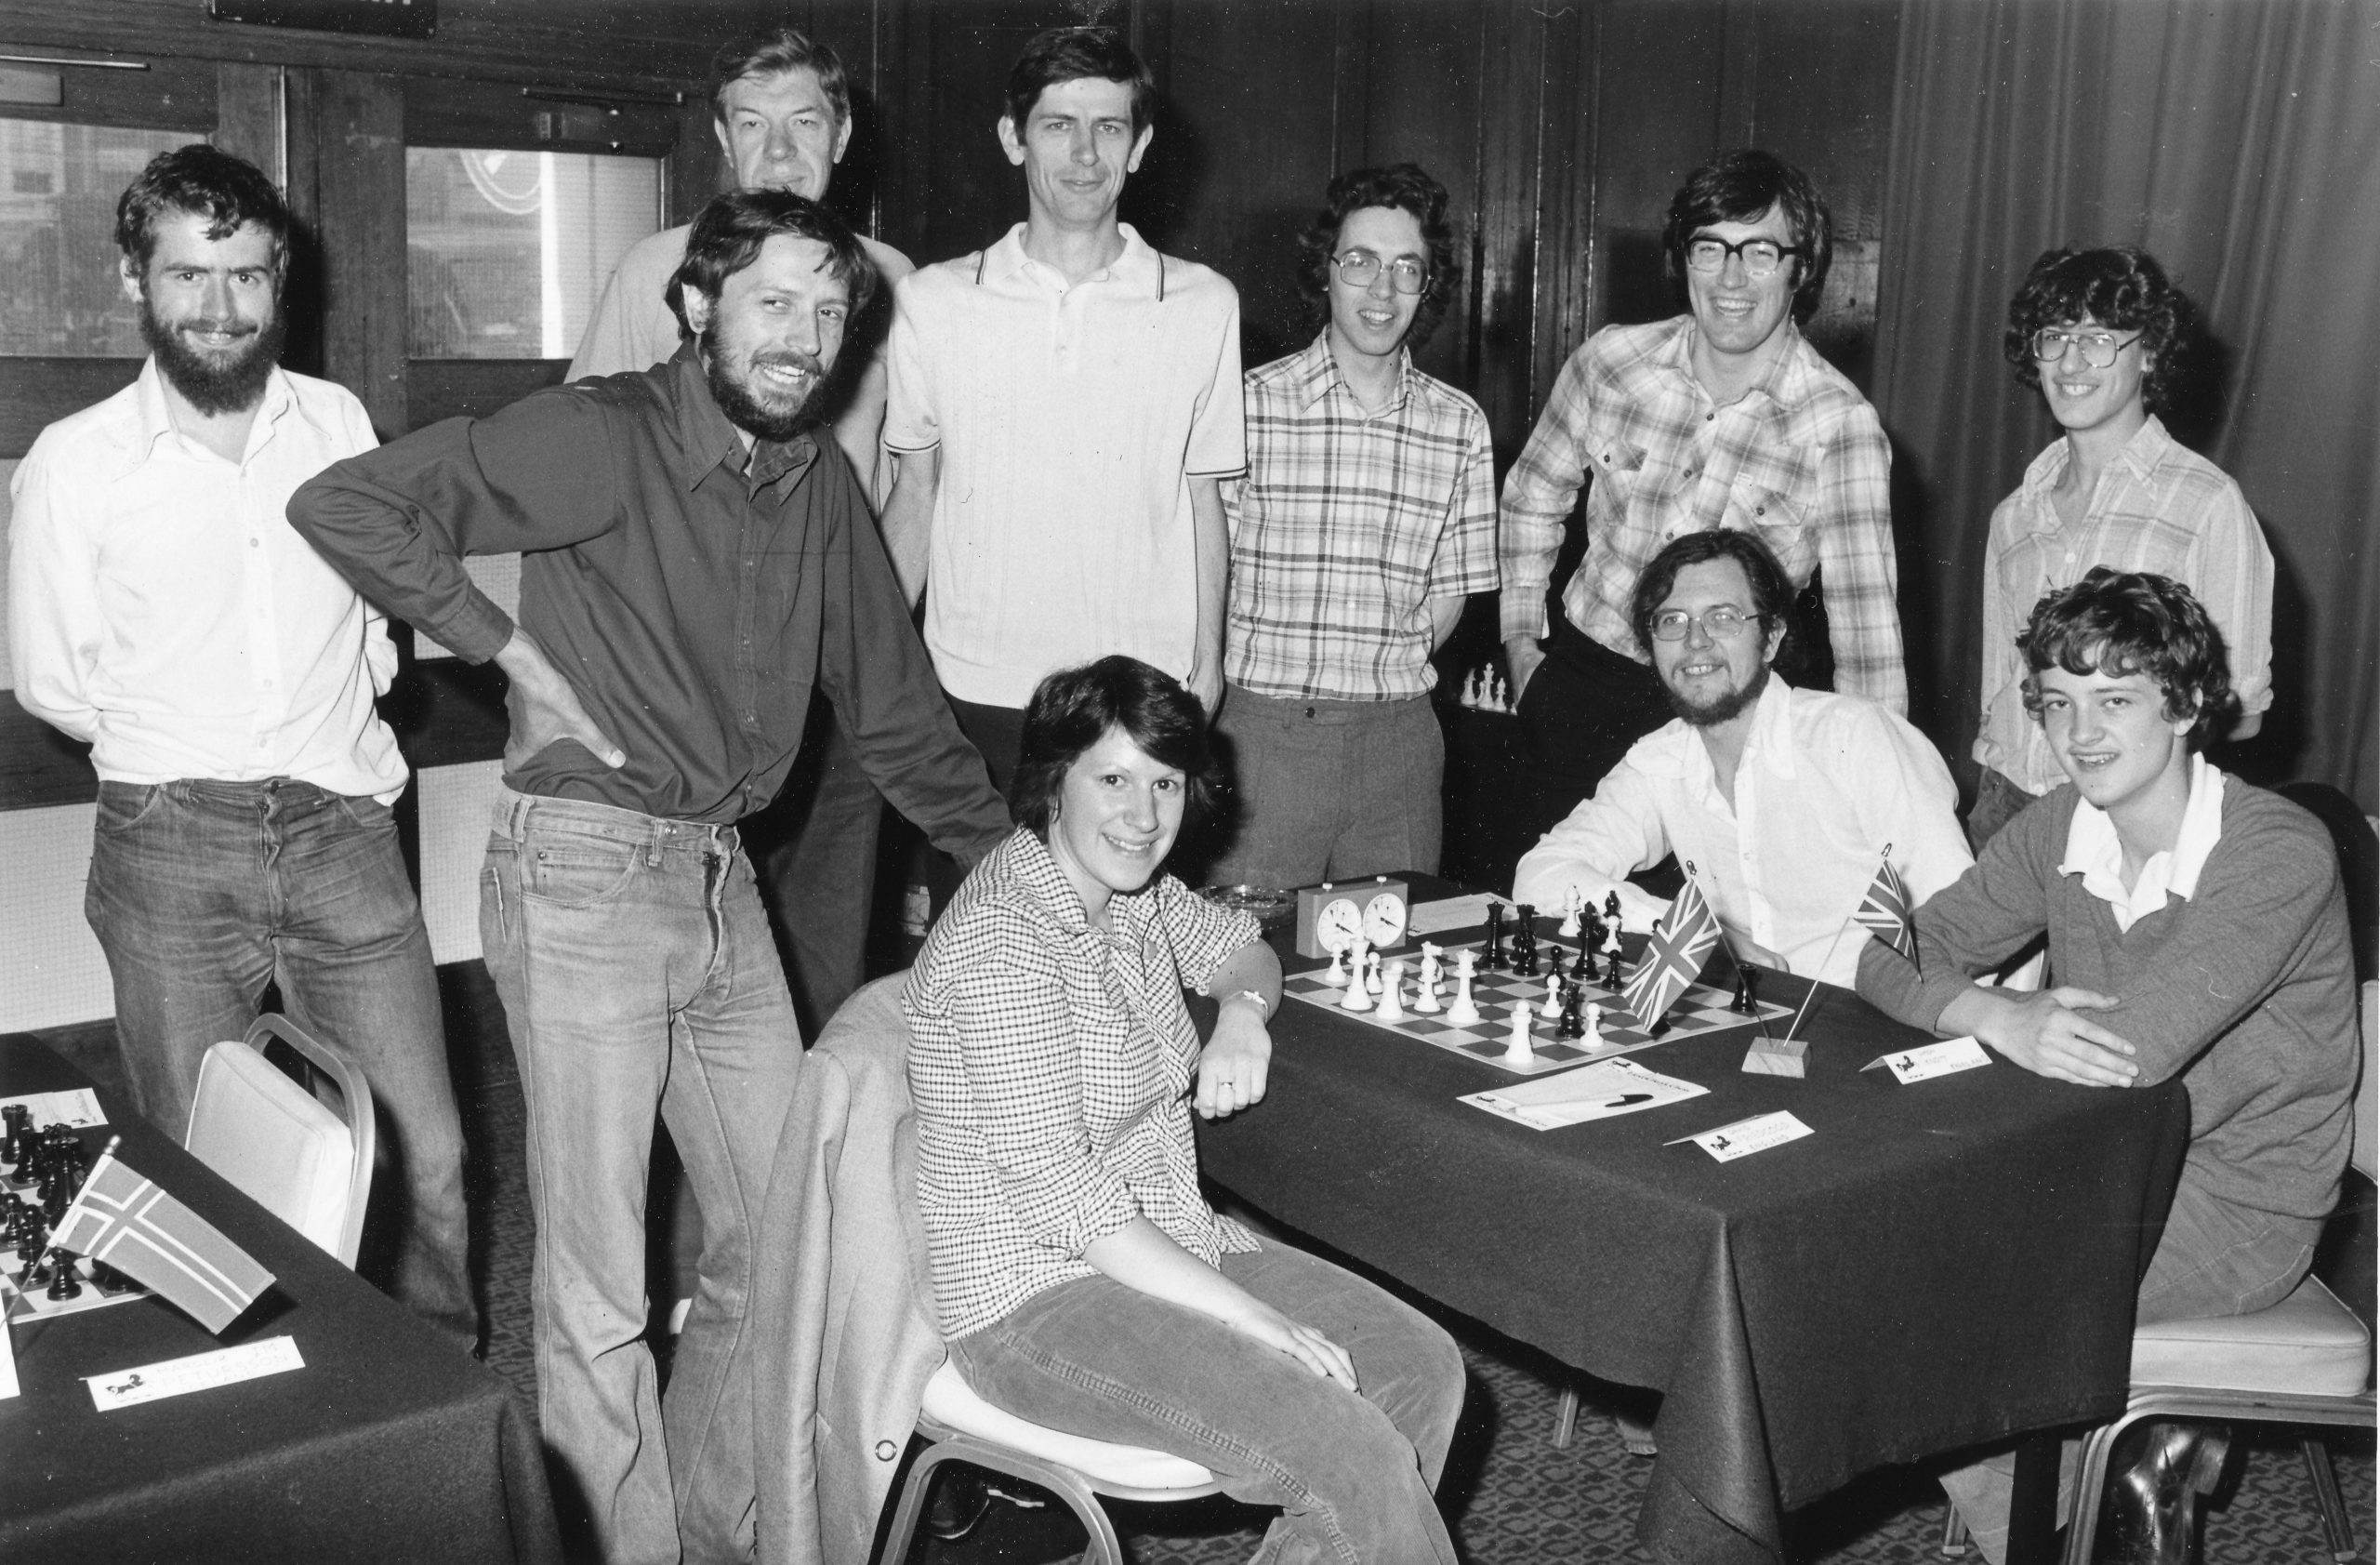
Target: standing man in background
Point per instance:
(161, 610)
(1368, 516)
(1065, 406)
(1724, 417)
(781, 108)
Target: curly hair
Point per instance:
(1403, 187)
(1074, 709)
(2116, 623)
(203, 181)
(2123, 288)
(728, 234)
(1737, 188)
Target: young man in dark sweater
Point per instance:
(2196, 928)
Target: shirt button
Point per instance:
(1708, 417)
(886, 1450)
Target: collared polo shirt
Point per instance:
(1348, 523)
(162, 608)
(1800, 461)
(2160, 507)
(2094, 853)
(1070, 420)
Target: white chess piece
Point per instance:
(1552, 1006)
(1464, 1012)
(1426, 993)
(1572, 900)
(1337, 975)
(1391, 994)
(1359, 994)
(1371, 974)
(1593, 1037)
(1516, 1047)
(1471, 689)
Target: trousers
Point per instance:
(1331, 789)
(1352, 1474)
(200, 893)
(1578, 714)
(639, 978)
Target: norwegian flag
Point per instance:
(1673, 957)
(123, 1219)
(1884, 912)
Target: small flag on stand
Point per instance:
(1673, 957)
(1884, 912)
(123, 1219)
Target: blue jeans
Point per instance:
(1352, 1474)
(638, 975)
(1331, 789)
(202, 892)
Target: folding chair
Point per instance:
(278, 1143)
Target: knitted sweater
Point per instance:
(2246, 990)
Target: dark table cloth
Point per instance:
(1937, 1266)
(388, 1445)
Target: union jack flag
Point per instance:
(1884, 912)
(123, 1219)
(1673, 957)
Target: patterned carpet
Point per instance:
(1513, 1499)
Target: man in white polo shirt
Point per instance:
(1065, 406)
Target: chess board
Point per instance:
(19, 1303)
(1699, 1010)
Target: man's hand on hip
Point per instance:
(544, 709)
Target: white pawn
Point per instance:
(1337, 975)
(1552, 1006)
(1371, 974)
(1517, 1048)
(1425, 996)
(1391, 996)
(1464, 1012)
(1572, 901)
(1593, 1037)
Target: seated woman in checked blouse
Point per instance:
(1081, 1280)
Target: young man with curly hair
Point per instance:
(1366, 518)
(2099, 333)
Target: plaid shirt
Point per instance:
(1800, 461)
(1051, 1062)
(1347, 523)
(2159, 507)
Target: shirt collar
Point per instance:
(1317, 371)
(2140, 456)
(1675, 750)
(1138, 266)
(1778, 382)
(2093, 852)
(707, 439)
(155, 419)
(1037, 868)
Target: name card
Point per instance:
(1934, 1059)
(172, 1377)
(1747, 1137)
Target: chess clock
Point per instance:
(1331, 917)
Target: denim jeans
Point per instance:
(201, 893)
(1352, 1474)
(638, 975)
(1331, 789)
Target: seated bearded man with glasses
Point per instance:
(1780, 803)
(2099, 333)
(1366, 518)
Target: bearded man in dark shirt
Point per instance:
(695, 557)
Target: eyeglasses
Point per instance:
(1359, 267)
(1760, 256)
(2099, 347)
(1720, 624)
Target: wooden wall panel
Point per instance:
(358, 209)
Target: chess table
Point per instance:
(389, 1444)
(1938, 1266)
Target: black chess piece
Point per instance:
(1582, 966)
(1525, 942)
(1612, 978)
(1745, 1003)
(1611, 905)
(63, 1283)
(38, 1269)
(109, 1281)
(32, 1238)
(1574, 1022)
(18, 1121)
(1491, 959)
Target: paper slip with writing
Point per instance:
(77, 1108)
(1747, 1137)
(1934, 1059)
(7, 1364)
(1591, 1091)
(1450, 912)
(200, 1372)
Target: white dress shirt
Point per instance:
(162, 608)
(1826, 783)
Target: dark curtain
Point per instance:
(2237, 140)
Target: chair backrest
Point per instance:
(278, 1144)
(2366, 1153)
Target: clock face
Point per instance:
(1339, 925)
(1385, 919)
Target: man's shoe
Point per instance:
(960, 1500)
(2162, 1468)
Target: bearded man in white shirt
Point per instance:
(1781, 802)
(163, 610)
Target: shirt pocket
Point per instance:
(1774, 497)
(1616, 457)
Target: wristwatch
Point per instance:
(1264, 1006)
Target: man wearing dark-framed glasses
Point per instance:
(1722, 417)
(1366, 519)
(2101, 334)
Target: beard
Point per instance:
(216, 381)
(759, 410)
(1710, 714)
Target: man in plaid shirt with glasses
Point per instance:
(1366, 518)
(1724, 417)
